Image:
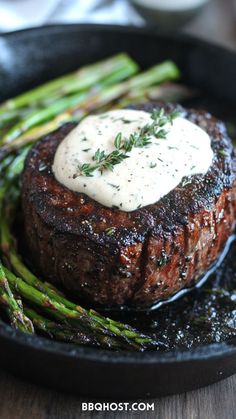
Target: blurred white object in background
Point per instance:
(97, 11)
(18, 14)
(173, 5)
(168, 15)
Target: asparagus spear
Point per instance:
(34, 133)
(40, 116)
(79, 80)
(58, 331)
(167, 92)
(122, 338)
(113, 326)
(154, 75)
(4, 163)
(16, 315)
(10, 168)
(78, 323)
(87, 103)
(9, 118)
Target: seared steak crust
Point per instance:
(153, 252)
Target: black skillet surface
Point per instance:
(33, 56)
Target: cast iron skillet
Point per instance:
(33, 56)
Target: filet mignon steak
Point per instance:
(153, 252)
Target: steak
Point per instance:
(153, 252)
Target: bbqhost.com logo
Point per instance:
(117, 407)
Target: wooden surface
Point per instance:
(21, 400)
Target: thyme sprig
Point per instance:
(103, 161)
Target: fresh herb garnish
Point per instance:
(223, 152)
(140, 139)
(109, 231)
(162, 261)
(103, 162)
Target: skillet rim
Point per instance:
(145, 30)
(45, 345)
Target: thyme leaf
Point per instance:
(109, 231)
(222, 152)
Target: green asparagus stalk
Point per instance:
(155, 75)
(8, 119)
(167, 92)
(40, 116)
(16, 315)
(127, 337)
(79, 80)
(58, 331)
(34, 133)
(87, 103)
(4, 163)
(10, 169)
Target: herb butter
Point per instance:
(147, 173)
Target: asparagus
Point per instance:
(167, 92)
(4, 163)
(40, 116)
(58, 311)
(9, 118)
(155, 75)
(10, 168)
(79, 80)
(125, 338)
(16, 315)
(58, 331)
(171, 92)
(33, 134)
(86, 103)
